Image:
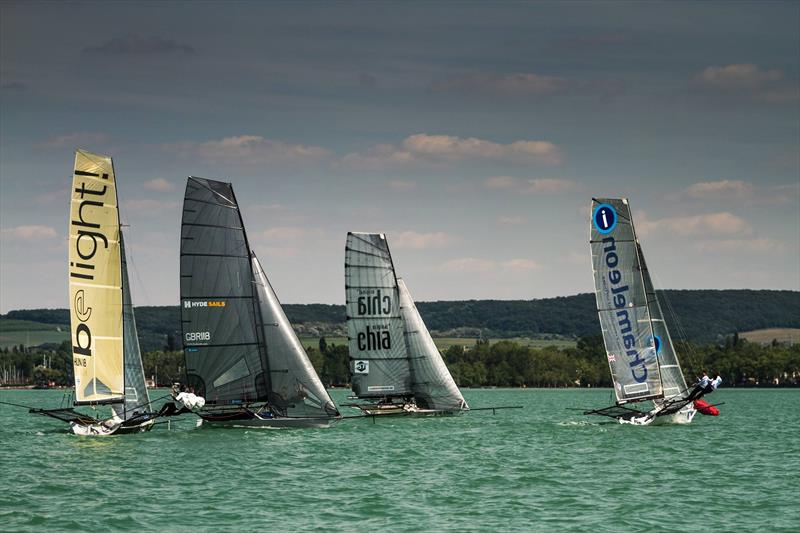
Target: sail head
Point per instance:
(95, 284)
(622, 303)
(379, 362)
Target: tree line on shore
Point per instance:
(486, 364)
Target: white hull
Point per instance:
(403, 410)
(103, 430)
(684, 416)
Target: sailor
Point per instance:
(703, 386)
(715, 383)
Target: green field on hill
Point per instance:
(764, 336)
(29, 333)
(443, 343)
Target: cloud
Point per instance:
(695, 225)
(519, 264)
(417, 241)
(511, 221)
(526, 84)
(754, 246)
(719, 189)
(28, 233)
(289, 233)
(478, 266)
(749, 81)
(159, 184)
(423, 148)
(133, 44)
(76, 140)
(551, 186)
(149, 206)
(531, 186)
(248, 149)
(402, 186)
(501, 182)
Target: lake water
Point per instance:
(542, 467)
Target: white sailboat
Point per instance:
(107, 362)
(394, 364)
(642, 358)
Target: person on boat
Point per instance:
(703, 386)
(715, 383)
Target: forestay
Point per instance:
(379, 363)
(433, 385)
(225, 362)
(622, 302)
(295, 388)
(95, 293)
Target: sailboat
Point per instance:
(242, 355)
(640, 352)
(106, 358)
(395, 366)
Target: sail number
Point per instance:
(79, 361)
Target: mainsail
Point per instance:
(295, 388)
(95, 284)
(239, 345)
(137, 401)
(225, 361)
(622, 302)
(433, 385)
(379, 362)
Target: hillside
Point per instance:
(702, 316)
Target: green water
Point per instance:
(539, 468)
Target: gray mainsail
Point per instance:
(137, 401)
(433, 385)
(379, 362)
(295, 388)
(674, 384)
(622, 303)
(225, 359)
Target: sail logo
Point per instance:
(375, 338)
(89, 237)
(188, 304)
(83, 335)
(361, 367)
(376, 303)
(604, 218)
(619, 297)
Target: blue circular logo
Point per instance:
(657, 342)
(604, 218)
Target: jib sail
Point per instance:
(225, 362)
(137, 400)
(622, 302)
(379, 362)
(95, 284)
(295, 388)
(674, 384)
(433, 385)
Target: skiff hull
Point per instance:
(101, 430)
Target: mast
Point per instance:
(95, 284)
(379, 361)
(622, 302)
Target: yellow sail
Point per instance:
(95, 285)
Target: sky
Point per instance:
(473, 134)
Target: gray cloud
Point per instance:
(134, 44)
